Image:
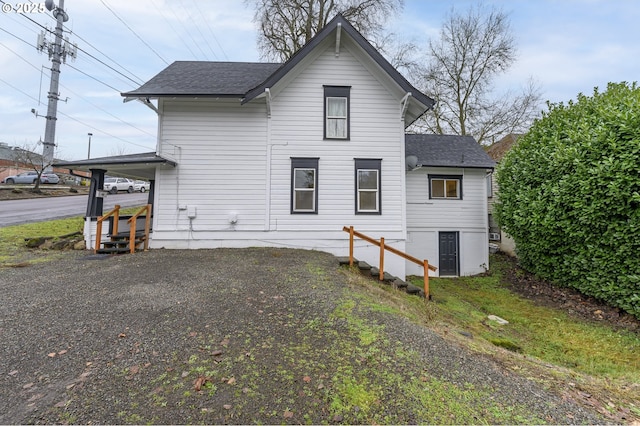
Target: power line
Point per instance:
(93, 78)
(74, 93)
(189, 34)
(73, 118)
(134, 33)
(174, 30)
(206, 22)
(139, 82)
(206, 41)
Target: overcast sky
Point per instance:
(566, 46)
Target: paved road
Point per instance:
(16, 212)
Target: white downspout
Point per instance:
(267, 197)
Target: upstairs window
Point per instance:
(336, 112)
(304, 181)
(368, 183)
(445, 187)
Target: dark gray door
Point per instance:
(448, 242)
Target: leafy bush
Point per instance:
(570, 195)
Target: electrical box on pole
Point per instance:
(58, 52)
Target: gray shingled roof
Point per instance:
(248, 80)
(197, 78)
(447, 151)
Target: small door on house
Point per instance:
(448, 242)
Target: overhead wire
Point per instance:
(206, 22)
(133, 32)
(174, 29)
(195, 25)
(181, 21)
(69, 90)
(132, 78)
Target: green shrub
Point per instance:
(570, 195)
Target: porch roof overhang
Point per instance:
(137, 166)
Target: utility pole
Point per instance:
(58, 54)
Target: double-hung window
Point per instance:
(445, 187)
(336, 112)
(304, 185)
(368, 183)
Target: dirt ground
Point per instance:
(567, 299)
(238, 336)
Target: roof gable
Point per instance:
(447, 151)
(249, 80)
(340, 22)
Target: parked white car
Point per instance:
(113, 185)
(141, 186)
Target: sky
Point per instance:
(566, 46)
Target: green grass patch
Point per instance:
(601, 359)
(13, 249)
(545, 333)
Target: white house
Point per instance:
(285, 155)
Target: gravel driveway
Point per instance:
(235, 336)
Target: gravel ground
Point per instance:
(236, 336)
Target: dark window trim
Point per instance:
(304, 163)
(370, 164)
(337, 92)
(449, 177)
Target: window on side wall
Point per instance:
(304, 185)
(368, 183)
(336, 112)
(445, 187)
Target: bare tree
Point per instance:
(287, 25)
(25, 156)
(462, 65)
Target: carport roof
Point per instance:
(137, 166)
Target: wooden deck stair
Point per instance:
(130, 241)
(120, 243)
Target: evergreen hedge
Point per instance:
(570, 195)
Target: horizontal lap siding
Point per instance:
(375, 132)
(424, 213)
(427, 217)
(220, 147)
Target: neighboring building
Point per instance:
(12, 161)
(496, 151)
(285, 155)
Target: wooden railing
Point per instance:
(115, 212)
(132, 222)
(133, 228)
(424, 263)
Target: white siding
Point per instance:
(220, 148)
(297, 131)
(468, 216)
(234, 160)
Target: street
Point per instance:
(16, 212)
